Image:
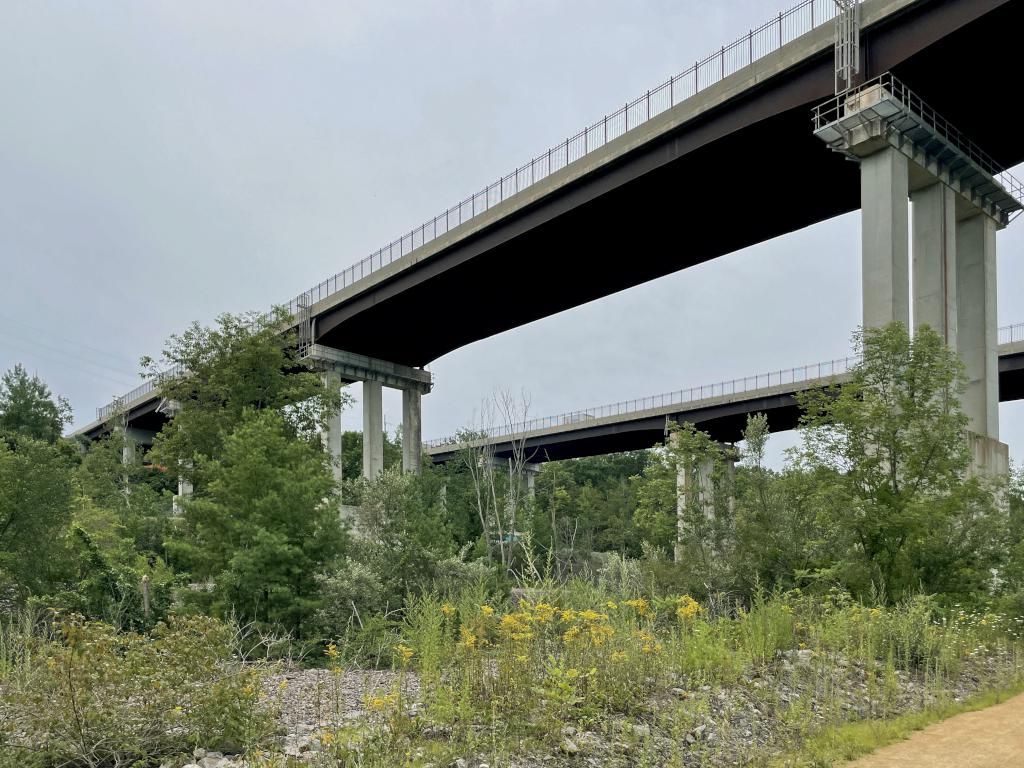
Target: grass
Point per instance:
(639, 679)
(836, 744)
(498, 680)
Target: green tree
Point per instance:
(403, 529)
(35, 507)
(245, 363)
(889, 446)
(27, 407)
(268, 523)
(137, 492)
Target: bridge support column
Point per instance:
(884, 191)
(530, 472)
(977, 342)
(935, 260)
(412, 431)
(183, 494)
(332, 434)
(373, 429)
(133, 439)
(694, 492)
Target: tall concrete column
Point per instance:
(331, 436)
(373, 429)
(976, 322)
(934, 236)
(530, 472)
(412, 431)
(184, 492)
(884, 238)
(133, 439)
(693, 485)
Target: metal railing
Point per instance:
(805, 374)
(835, 109)
(1010, 334)
(760, 42)
(145, 388)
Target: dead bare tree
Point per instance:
(502, 421)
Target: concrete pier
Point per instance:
(373, 429)
(977, 336)
(694, 489)
(331, 436)
(412, 431)
(884, 237)
(183, 494)
(935, 260)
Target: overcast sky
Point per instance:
(161, 162)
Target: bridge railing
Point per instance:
(760, 42)
(1010, 334)
(145, 388)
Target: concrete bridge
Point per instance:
(723, 156)
(720, 409)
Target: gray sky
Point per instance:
(161, 162)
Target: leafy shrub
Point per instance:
(95, 696)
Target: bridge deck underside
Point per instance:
(742, 173)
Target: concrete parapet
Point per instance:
(989, 457)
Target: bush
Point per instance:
(95, 696)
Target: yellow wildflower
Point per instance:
(641, 606)
(332, 651)
(448, 609)
(486, 610)
(466, 638)
(687, 608)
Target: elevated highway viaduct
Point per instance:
(720, 158)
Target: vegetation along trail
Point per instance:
(988, 738)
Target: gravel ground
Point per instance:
(724, 725)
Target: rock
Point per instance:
(459, 763)
(569, 747)
(641, 730)
(690, 738)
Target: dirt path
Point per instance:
(988, 738)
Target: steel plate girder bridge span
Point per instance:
(734, 165)
(719, 409)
